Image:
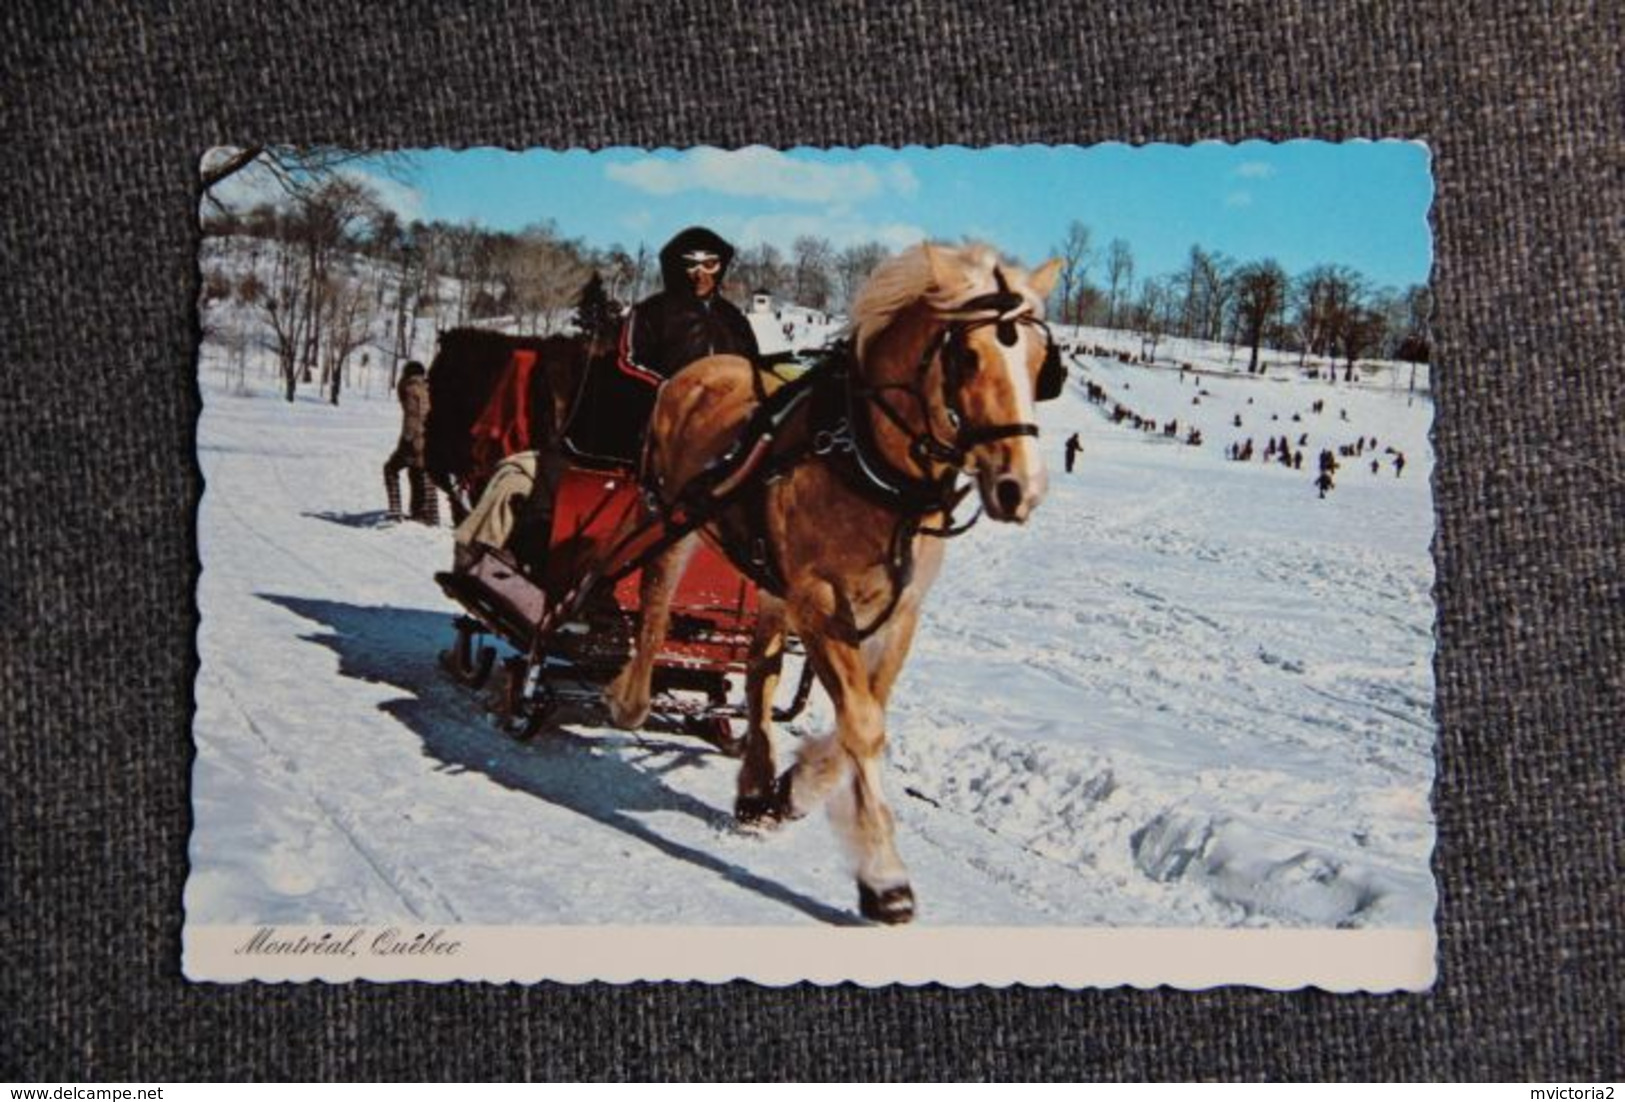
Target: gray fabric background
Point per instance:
(104, 110)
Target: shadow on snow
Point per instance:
(371, 518)
(398, 647)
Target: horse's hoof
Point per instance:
(893, 906)
(768, 809)
(758, 811)
(625, 717)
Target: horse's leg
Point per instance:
(849, 764)
(628, 695)
(889, 649)
(757, 781)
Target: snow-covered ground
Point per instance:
(1188, 693)
(788, 327)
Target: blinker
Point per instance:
(1051, 376)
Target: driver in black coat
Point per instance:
(689, 319)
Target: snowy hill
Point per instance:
(1189, 692)
(793, 328)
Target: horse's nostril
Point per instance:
(1009, 495)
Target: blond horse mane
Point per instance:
(900, 281)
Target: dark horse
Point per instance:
(491, 395)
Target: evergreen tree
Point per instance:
(597, 316)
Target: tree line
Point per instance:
(333, 270)
(1330, 310)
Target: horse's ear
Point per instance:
(1043, 280)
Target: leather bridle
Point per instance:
(1006, 310)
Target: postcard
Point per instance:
(882, 565)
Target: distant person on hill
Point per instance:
(1399, 464)
(1324, 483)
(1073, 447)
(413, 394)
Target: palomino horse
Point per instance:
(950, 353)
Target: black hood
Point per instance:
(695, 237)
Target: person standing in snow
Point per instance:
(1073, 447)
(1324, 482)
(413, 393)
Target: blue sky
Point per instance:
(1363, 204)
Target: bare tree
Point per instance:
(1075, 255)
(1323, 297)
(283, 306)
(1206, 290)
(762, 266)
(1217, 292)
(621, 271)
(813, 258)
(643, 260)
(345, 326)
(1155, 313)
(405, 259)
(1260, 295)
(546, 274)
(1119, 277)
(310, 231)
(853, 267)
(324, 218)
(298, 171)
(1360, 330)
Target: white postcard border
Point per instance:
(1373, 961)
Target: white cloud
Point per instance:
(1239, 199)
(781, 230)
(1254, 170)
(902, 179)
(406, 201)
(759, 172)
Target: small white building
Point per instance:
(761, 301)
